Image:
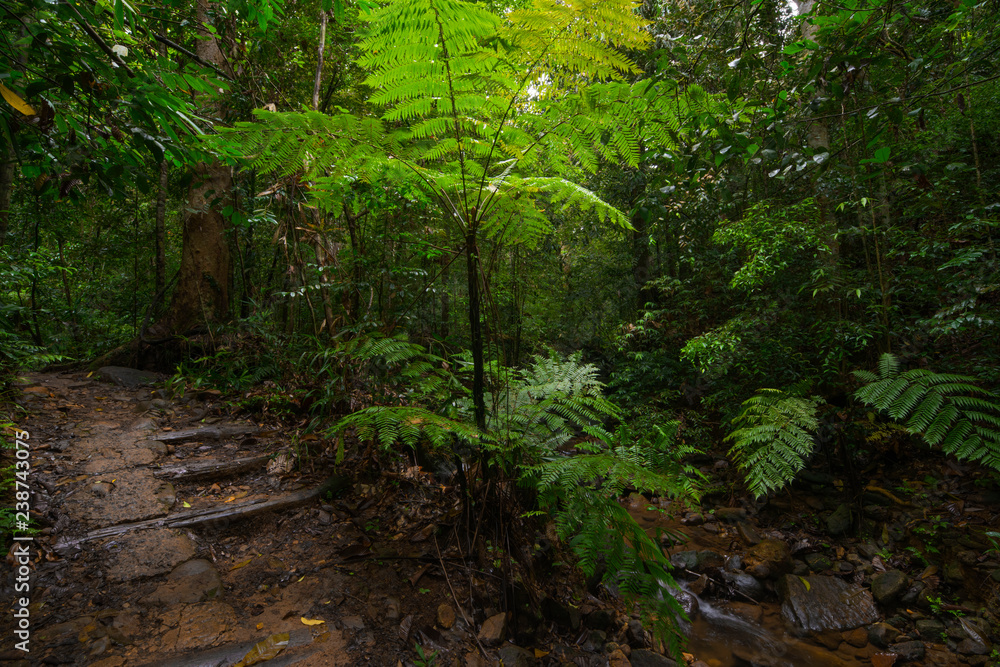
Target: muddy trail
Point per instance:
(173, 533)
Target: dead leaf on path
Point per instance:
(242, 563)
(265, 650)
(312, 621)
(539, 653)
(229, 499)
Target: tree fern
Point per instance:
(947, 410)
(582, 492)
(773, 438)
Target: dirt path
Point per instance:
(114, 584)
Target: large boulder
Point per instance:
(819, 603)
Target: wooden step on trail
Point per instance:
(210, 516)
(208, 469)
(206, 433)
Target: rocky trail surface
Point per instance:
(176, 534)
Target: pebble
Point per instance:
(445, 616)
(492, 630)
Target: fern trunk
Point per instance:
(476, 329)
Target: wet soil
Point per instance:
(366, 574)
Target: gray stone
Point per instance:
(748, 533)
(352, 623)
(601, 619)
(685, 560)
(882, 634)
(745, 584)
(565, 615)
(708, 559)
(972, 646)
(637, 634)
(840, 521)
(515, 656)
(731, 514)
(930, 628)
(644, 658)
(818, 603)
(189, 583)
(888, 586)
(818, 562)
(909, 651)
(128, 377)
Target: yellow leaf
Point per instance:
(186, 504)
(805, 582)
(260, 626)
(242, 563)
(539, 653)
(312, 621)
(15, 101)
(265, 650)
(229, 499)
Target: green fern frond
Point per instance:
(947, 410)
(773, 438)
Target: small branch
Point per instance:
(101, 44)
(190, 54)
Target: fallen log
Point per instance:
(216, 516)
(208, 469)
(205, 433)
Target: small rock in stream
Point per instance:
(909, 651)
(731, 514)
(840, 521)
(882, 634)
(888, 586)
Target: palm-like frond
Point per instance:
(773, 438)
(947, 410)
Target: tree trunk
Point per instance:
(160, 232)
(7, 167)
(476, 329)
(202, 292)
(319, 59)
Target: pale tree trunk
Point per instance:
(7, 166)
(319, 59)
(202, 292)
(160, 233)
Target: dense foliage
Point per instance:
(486, 234)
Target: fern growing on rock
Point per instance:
(773, 438)
(947, 410)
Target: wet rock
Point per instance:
(711, 527)
(202, 625)
(745, 584)
(750, 613)
(735, 563)
(840, 521)
(693, 519)
(148, 553)
(685, 560)
(644, 658)
(708, 560)
(972, 646)
(491, 632)
(748, 533)
(909, 651)
(858, 638)
(565, 615)
(770, 558)
(818, 603)
(161, 404)
(867, 550)
(601, 619)
(128, 377)
(445, 616)
(352, 623)
(157, 447)
(515, 656)
(953, 572)
(637, 634)
(101, 489)
(617, 659)
(64, 630)
(799, 568)
(888, 586)
(324, 518)
(930, 628)
(882, 634)
(595, 641)
(142, 424)
(189, 583)
(731, 514)
(166, 494)
(818, 562)
(99, 646)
